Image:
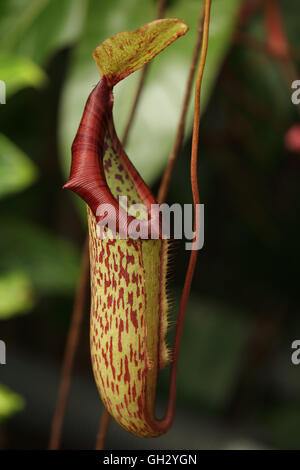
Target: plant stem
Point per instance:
(101, 436)
(167, 421)
(161, 7)
(70, 351)
(160, 14)
(166, 179)
(135, 103)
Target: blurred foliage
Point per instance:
(15, 294)
(18, 72)
(16, 170)
(31, 260)
(217, 354)
(10, 402)
(51, 263)
(222, 336)
(37, 28)
(243, 313)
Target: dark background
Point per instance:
(237, 385)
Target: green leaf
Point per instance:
(10, 402)
(52, 264)
(16, 294)
(37, 28)
(158, 113)
(16, 170)
(18, 72)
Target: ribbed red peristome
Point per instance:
(87, 177)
